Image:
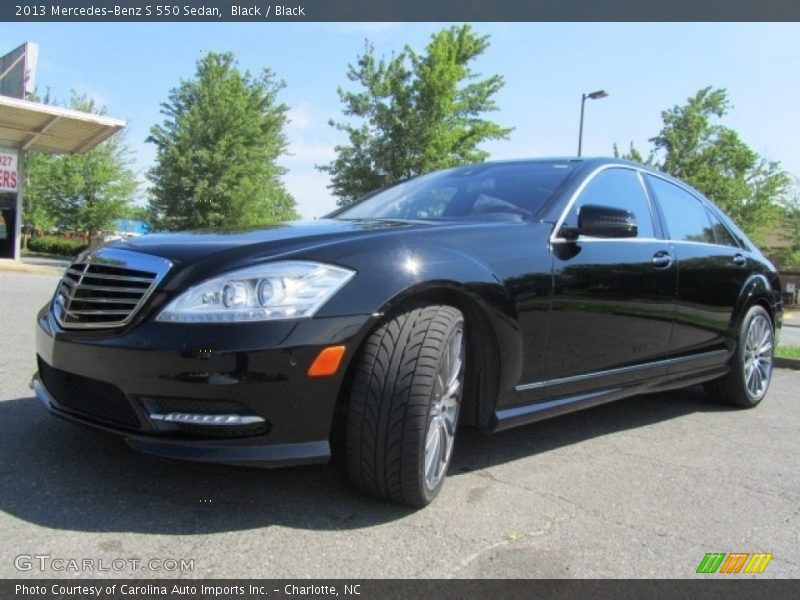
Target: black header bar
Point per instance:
(709, 588)
(397, 10)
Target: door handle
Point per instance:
(739, 259)
(662, 260)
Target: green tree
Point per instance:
(789, 256)
(38, 212)
(414, 114)
(139, 212)
(634, 155)
(692, 145)
(79, 191)
(791, 205)
(217, 149)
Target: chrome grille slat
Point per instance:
(107, 288)
(87, 274)
(106, 300)
(98, 312)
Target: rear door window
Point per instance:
(687, 220)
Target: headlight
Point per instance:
(269, 292)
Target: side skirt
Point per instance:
(514, 416)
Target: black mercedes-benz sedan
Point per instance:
(489, 295)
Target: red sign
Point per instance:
(9, 175)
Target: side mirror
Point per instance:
(604, 221)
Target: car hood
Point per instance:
(189, 247)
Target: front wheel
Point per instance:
(404, 405)
(751, 368)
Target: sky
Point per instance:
(645, 67)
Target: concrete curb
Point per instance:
(787, 363)
(20, 267)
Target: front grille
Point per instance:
(90, 397)
(107, 288)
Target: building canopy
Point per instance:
(26, 125)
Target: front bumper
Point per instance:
(256, 373)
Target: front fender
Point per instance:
(388, 277)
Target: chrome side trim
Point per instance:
(584, 376)
(693, 243)
(206, 419)
(587, 240)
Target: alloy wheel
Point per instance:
(444, 410)
(758, 356)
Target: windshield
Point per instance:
(514, 190)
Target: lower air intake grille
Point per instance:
(224, 431)
(90, 397)
(197, 405)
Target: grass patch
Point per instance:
(788, 351)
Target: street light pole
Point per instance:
(580, 128)
(593, 96)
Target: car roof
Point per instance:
(586, 164)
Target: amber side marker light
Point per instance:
(327, 361)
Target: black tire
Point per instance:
(742, 386)
(393, 401)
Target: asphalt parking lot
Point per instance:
(641, 488)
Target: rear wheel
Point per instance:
(405, 403)
(751, 370)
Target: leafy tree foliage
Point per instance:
(789, 256)
(217, 150)
(84, 192)
(414, 113)
(693, 146)
(138, 212)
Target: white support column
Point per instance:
(18, 212)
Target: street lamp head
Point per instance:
(597, 94)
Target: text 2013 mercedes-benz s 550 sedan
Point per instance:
(489, 295)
